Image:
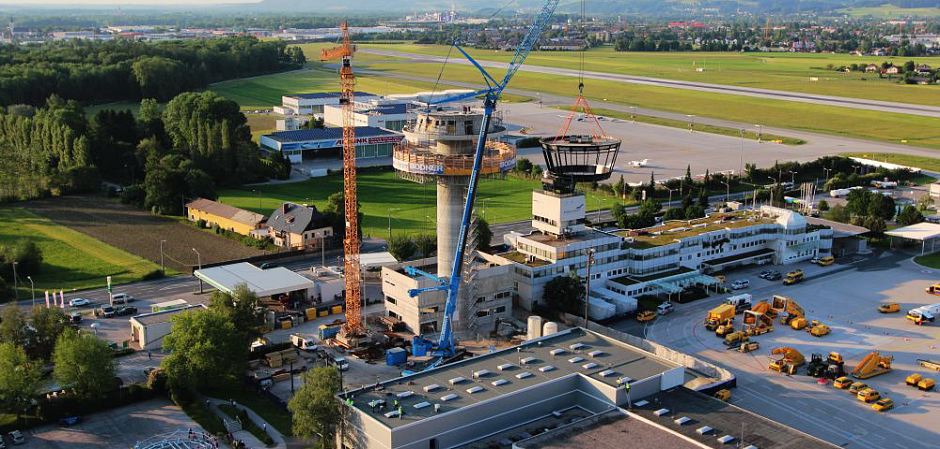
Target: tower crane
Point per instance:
(491, 94)
(352, 270)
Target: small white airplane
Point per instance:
(640, 163)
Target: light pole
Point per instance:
(257, 195)
(16, 292)
(162, 263)
(691, 121)
(198, 258)
(827, 170)
(741, 173)
(669, 203)
(793, 177)
(728, 190)
(32, 287)
(587, 289)
(390, 221)
(633, 113)
(772, 188)
(760, 133)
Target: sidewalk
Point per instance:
(244, 435)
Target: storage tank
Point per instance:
(535, 327)
(549, 328)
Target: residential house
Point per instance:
(893, 70)
(872, 68)
(224, 216)
(298, 226)
(923, 69)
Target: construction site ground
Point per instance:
(845, 296)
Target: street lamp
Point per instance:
(793, 177)
(691, 121)
(760, 133)
(16, 292)
(776, 181)
(669, 203)
(257, 195)
(633, 113)
(742, 153)
(198, 258)
(728, 190)
(162, 263)
(827, 170)
(390, 220)
(32, 288)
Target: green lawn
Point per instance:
(273, 413)
(412, 205)
(926, 163)
(930, 260)
(71, 260)
(711, 129)
(778, 71)
(874, 125)
(890, 11)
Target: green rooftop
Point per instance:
(680, 229)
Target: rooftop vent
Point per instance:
(499, 382)
(547, 368)
(376, 402)
(528, 360)
(726, 439)
(457, 380)
(704, 430)
(558, 351)
(505, 366)
(576, 359)
(590, 365)
(624, 380)
(607, 373)
(682, 420)
(481, 373)
(405, 394)
(431, 388)
(392, 414)
(422, 405)
(577, 346)
(750, 446)
(661, 412)
(596, 353)
(449, 397)
(475, 389)
(641, 403)
(523, 375)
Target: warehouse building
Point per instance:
(149, 329)
(313, 103)
(307, 144)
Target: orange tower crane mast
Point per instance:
(352, 269)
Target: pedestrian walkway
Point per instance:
(245, 436)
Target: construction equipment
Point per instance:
(933, 289)
(491, 95)
(724, 329)
(353, 331)
(790, 360)
(872, 365)
(735, 338)
(929, 364)
(836, 367)
(785, 304)
(891, 307)
(818, 329)
(793, 277)
(724, 394)
(798, 323)
(747, 346)
(760, 319)
(817, 366)
(719, 316)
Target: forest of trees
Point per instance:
(91, 71)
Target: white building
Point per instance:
(149, 329)
(304, 144)
(306, 104)
(393, 115)
(273, 282)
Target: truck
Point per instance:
(327, 331)
(923, 313)
(303, 342)
(842, 192)
(929, 364)
(793, 277)
(718, 316)
(740, 302)
(933, 289)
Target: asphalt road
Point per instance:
(854, 103)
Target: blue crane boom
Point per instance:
(491, 94)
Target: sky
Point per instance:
(124, 2)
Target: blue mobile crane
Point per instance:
(491, 93)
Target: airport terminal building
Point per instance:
(306, 144)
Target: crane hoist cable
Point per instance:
(581, 103)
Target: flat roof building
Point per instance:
(457, 404)
(305, 144)
(271, 282)
(393, 115)
(312, 103)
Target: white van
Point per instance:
(665, 308)
(121, 298)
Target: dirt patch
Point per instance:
(138, 232)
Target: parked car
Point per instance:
(774, 276)
(69, 421)
(79, 302)
(267, 265)
(75, 317)
(121, 298)
(17, 437)
(665, 308)
(104, 312)
(764, 274)
(126, 310)
(740, 284)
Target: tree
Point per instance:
(839, 213)
(823, 205)
(693, 212)
(909, 215)
(205, 348)
(875, 224)
(314, 409)
(242, 308)
(402, 247)
(426, 244)
(85, 363)
(48, 325)
(523, 165)
(483, 233)
(20, 378)
(160, 77)
(13, 326)
(564, 294)
(25, 253)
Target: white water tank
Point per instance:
(550, 327)
(535, 327)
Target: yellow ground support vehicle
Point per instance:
(856, 387)
(819, 330)
(891, 307)
(793, 277)
(789, 361)
(723, 394)
(913, 379)
(868, 395)
(723, 314)
(926, 384)
(842, 383)
(872, 365)
(646, 315)
(735, 338)
(724, 329)
(883, 405)
(826, 261)
(798, 323)
(933, 289)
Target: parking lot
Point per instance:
(845, 296)
(121, 427)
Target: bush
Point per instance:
(528, 142)
(51, 410)
(402, 247)
(156, 380)
(123, 352)
(201, 224)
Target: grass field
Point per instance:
(890, 11)
(778, 71)
(411, 206)
(929, 260)
(926, 163)
(874, 125)
(71, 260)
(711, 129)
